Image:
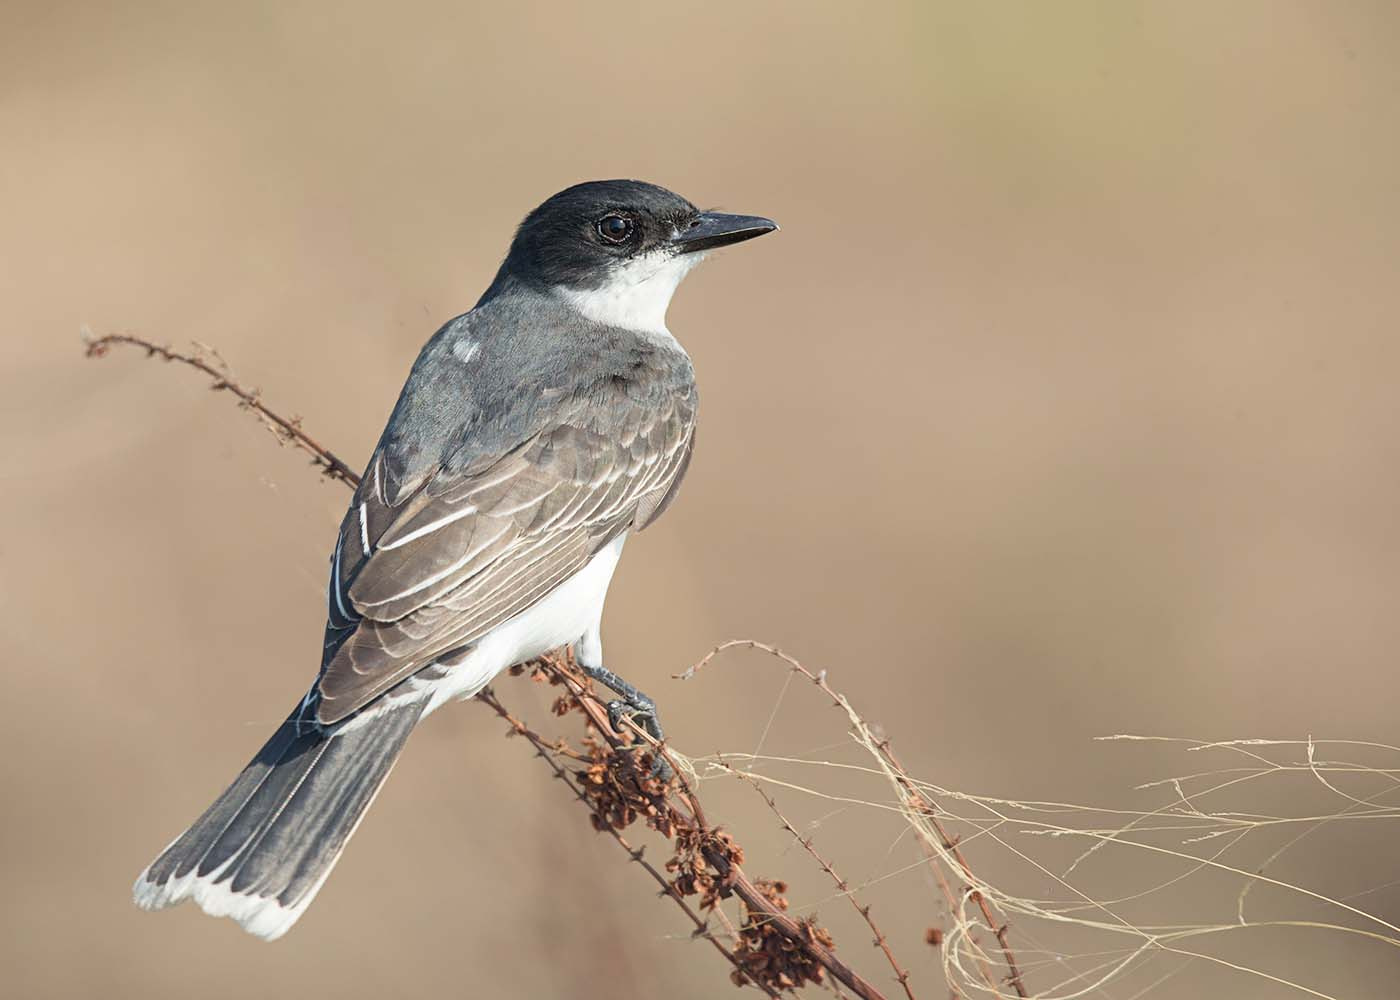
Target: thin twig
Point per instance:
(863, 909)
(908, 793)
(950, 844)
(692, 813)
(548, 752)
(287, 430)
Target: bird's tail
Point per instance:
(261, 852)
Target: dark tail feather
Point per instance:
(260, 853)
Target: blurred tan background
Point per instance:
(1063, 405)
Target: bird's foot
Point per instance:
(637, 707)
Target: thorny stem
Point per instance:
(950, 844)
(289, 430)
(863, 909)
(548, 753)
(733, 876)
(907, 790)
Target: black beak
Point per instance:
(715, 229)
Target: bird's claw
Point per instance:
(637, 707)
(641, 711)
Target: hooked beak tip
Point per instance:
(710, 230)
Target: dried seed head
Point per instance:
(620, 789)
(770, 957)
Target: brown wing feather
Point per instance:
(461, 552)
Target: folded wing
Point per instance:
(426, 567)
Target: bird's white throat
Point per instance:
(636, 294)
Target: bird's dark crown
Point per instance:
(580, 235)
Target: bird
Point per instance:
(535, 434)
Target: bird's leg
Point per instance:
(632, 704)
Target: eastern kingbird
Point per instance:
(533, 436)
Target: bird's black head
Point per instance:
(588, 235)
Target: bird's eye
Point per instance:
(614, 228)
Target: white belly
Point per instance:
(569, 611)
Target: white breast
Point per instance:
(562, 617)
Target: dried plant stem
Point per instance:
(863, 909)
(682, 807)
(548, 753)
(946, 847)
(287, 430)
(916, 800)
(686, 804)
